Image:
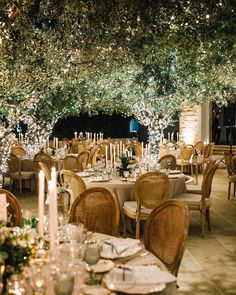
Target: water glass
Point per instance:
(64, 283)
(126, 175)
(91, 257)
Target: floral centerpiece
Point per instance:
(15, 251)
(126, 164)
(172, 144)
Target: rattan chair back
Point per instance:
(150, 189)
(18, 151)
(98, 209)
(14, 209)
(207, 181)
(186, 152)
(43, 158)
(93, 154)
(208, 150)
(46, 169)
(102, 149)
(167, 162)
(137, 150)
(14, 164)
(75, 182)
(69, 163)
(199, 146)
(82, 159)
(230, 163)
(166, 231)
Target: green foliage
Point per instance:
(61, 58)
(14, 250)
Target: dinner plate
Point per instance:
(124, 280)
(85, 173)
(102, 266)
(99, 179)
(130, 251)
(174, 171)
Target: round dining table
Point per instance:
(124, 190)
(142, 258)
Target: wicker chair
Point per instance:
(201, 202)
(93, 154)
(46, 170)
(18, 151)
(69, 163)
(231, 169)
(44, 158)
(166, 231)
(82, 160)
(14, 209)
(199, 145)
(197, 189)
(98, 209)
(207, 152)
(185, 158)
(75, 182)
(15, 172)
(167, 162)
(149, 190)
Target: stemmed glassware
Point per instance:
(91, 257)
(126, 175)
(109, 171)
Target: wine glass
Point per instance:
(126, 175)
(109, 171)
(91, 257)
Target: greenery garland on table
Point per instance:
(15, 251)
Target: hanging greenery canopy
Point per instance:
(63, 57)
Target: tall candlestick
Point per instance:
(111, 154)
(53, 226)
(106, 155)
(114, 154)
(76, 135)
(41, 202)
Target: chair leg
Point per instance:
(203, 223)
(234, 188)
(137, 227)
(124, 227)
(229, 188)
(208, 219)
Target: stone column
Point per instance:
(194, 123)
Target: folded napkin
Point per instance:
(150, 274)
(120, 245)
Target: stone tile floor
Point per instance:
(209, 264)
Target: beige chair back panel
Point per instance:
(186, 152)
(69, 163)
(166, 231)
(14, 208)
(151, 188)
(97, 209)
(75, 182)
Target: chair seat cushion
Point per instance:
(193, 200)
(193, 189)
(131, 207)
